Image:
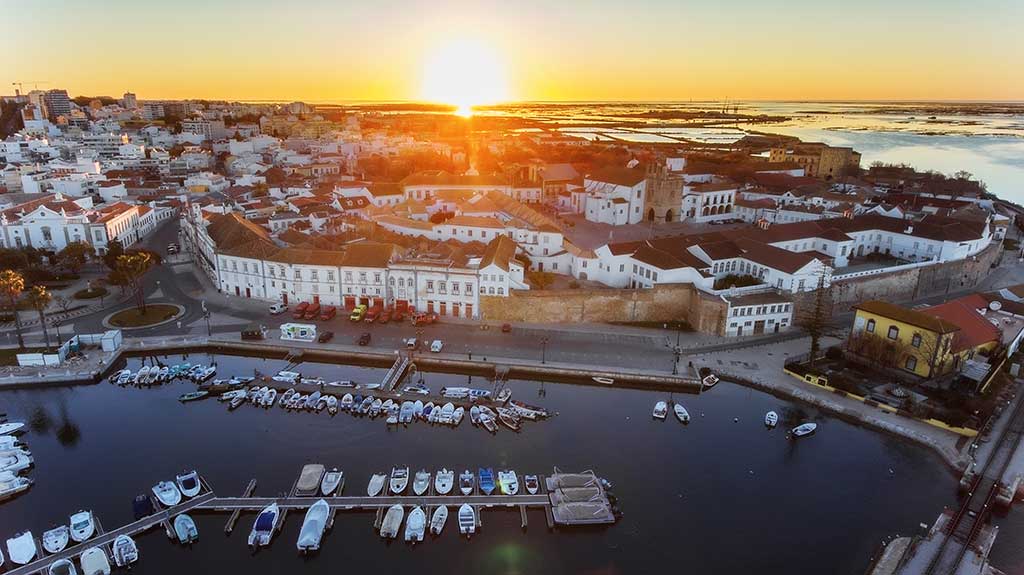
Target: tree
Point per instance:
(814, 318)
(74, 256)
(39, 299)
(114, 250)
(11, 285)
(131, 268)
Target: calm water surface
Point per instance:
(719, 495)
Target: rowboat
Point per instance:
(438, 520)
(804, 429)
(660, 410)
(332, 479)
(192, 396)
(771, 419)
(186, 530)
(467, 519)
(603, 380)
(681, 414)
(56, 539)
(443, 481)
(415, 525)
(376, 484)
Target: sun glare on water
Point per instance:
(464, 73)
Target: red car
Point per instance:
(328, 313)
(312, 311)
(300, 310)
(385, 316)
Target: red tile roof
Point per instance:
(975, 330)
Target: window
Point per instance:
(455, 288)
(911, 363)
(894, 332)
(871, 326)
(315, 275)
(916, 340)
(442, 287)
(348, 276)
(501, 291)
(298, 275)
(376, 278)
(622, 267)
(330, 275)
(362, 277)
(430, 286)
(469, 288)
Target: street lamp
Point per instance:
(544, 349)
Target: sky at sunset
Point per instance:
(484, 52)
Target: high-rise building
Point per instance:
(57, 103)
(129, 101)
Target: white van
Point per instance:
(278, 308)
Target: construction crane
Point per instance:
(20, 85)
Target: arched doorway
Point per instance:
(650, 215)
(668, 216)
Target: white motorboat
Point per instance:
(508, 482)
(264, 526)
(417, 409)
(12, 428)
(56, 539)
(343, 383)
(346, 401)
(532, 484)
(15, 460)
(141, 376)
(444, 480)
(603, 380)
(376, 485)
(189, 483)
(375, 407)
(804, 429)
(415, 525)
(771, 419)
(681, 414)
(438, 520)
(332, 479)
(455, 392)
(21, 548)
(12, 485)
(286, 376)
(83, 526)
(421, 482)
(121, 377)
(392, 521)
(489, 423)
(399, 479)
(229, 395)
(467, 519)
(406, 411)
(446, 413)
(660, 410)
(313, 527)
(478, 394)
(710, 381)
(10, 442)
(269, 398)
(186, 530)
(125, 551)
(94, 562)
(163, 374)
(474, 415)
(61, 567)
(466, 482)
(206, 373)
(332, 404)
(312, 400)
(167, 493)
(457, 415)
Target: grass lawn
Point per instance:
(90, 293)
(10, 356)
(135, 318)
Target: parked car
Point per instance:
(358, 313)
(411, 343)
(385, 316)
(424, 318)
(328, 312)
(325, 336)
(312, 312)
(254, 331)
(364, 339)
(278, 308)
(506, 328)
(436, 346)
(172, 248)
(300, 310)
(372, 314)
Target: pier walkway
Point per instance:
(397, 372)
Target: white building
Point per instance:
(612, 196)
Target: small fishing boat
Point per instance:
(503, 395)
(467, 519)
(418, 389)
(392, 521)
(474, 415)
(269, 398)
(265, 525)
(125, 551)
(447, 412)
(56, 539)
(167, 493)
(186, 530)
(61, 567)
(438, 520)
(206, 373)
(710, 381)
(121, 377)
(22, 548)
(603, 380)
(393, 413)
(332, 404)
(376, 484)
(83, 526)
(332, 479)
(313, 527)
(369, 386)
(509, 418)
(508, 482)
(455, 392)
(771, 419)
(405, 413)
(528, 411)
(457, 415)
(15, 460)
(94, 562)
(317, 381)
(417, 409)
(488, 422)
(140, 376)
(192, 396)
(312, 400)
(189, 484)
(466, 482)
(12, 428)
(532, 484)
(486, 476)
(478, 394)
(444, 480)
(164, 375)
(681, 414)
(286, 376)
(660, 410)
(420, 482)
(346, 401)
(364, 407)
(415, 525)
(804, 429)
(320, 404)
(235, 402)
(375, 407)
(344, 383)
(229, 395)
(10, 442)
(399, 479)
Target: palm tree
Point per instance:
(39, 299)
(11, 285)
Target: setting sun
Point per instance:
(464, 73)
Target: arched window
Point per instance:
(894, 332)
(871, 326)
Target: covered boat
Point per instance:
(11, 485)
(421, 482)
(312, 400)
(444, 480)
(186, 530)
(466, 482)
(125, 551)
(392, 521)
(486, 476)
(21, 548)
(438, 520)
(508, 482)
(332, 479)
(376, 484)
(167, 493)
(474, 415)
(399, 479)
(417, 408)
(62, 567)
(415, 525)
(189, 484)
(467, 519)
(94, 562)
(332, 404)
(309, 480)
(83, 526)
(264, 526)
(56, 539)
(313, 527)
(660, 410)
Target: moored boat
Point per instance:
(415, 525)
(332, 404)
(313, 526)
(286, 376)
(804, 429)
(188, 483)
(660, 410)
(466, 482)
(94, 562)
(346, 401)
(167, 493)
(474, 415)
(467, 519)
(771, 419)
(455, 392)
(21, 548)
(488, 422)
(457, 415)
(312, 400)
(508, 482)
(420, 482)
(486, 478)
(12, 428)
(681, 414)
(509, 418)
(444, 480)
(265, 525)
(392, 521)
(603, 380)
(376, 484)
(83, 526)
(417, 408)
(332, 479)
(399, 479)
(193, 395)
(12, 485)
(186, 530)
(532, 484)
(56, 539)
(61, 567)
(438, 520)
(125, 551)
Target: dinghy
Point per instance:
(488, 422)
(418, 389)
(364, 407)
(264, 526)
(94, 562)
(269, 398)
(804, 429)
(346, 401)
(529, 411)
(392, 521)
(681, 414)
(399, 479)
(167, 493)
(62, 567)
(125, 551)
(312, 400)
(22, 548)
(443, 481)
(486, 476)
(466, 482)
(660, 410)
(438, 520)
(313, 527)
(164, 375)
(121, 377)
(376, 484)
(193, 395)
(393, 412)
(286, 376)
(508, 482)
(344, 383)
(478, 394)
(83, 526)
(332, 479)
(509, 418)
(532, 484)
(229, 395)
(405, 413)
(474, 415)
(467, 519)
(140, 376)
(603, 380)
(56, 539)
(189, 484)
(446, 413)
(421, 482)
(15, 460)
(375, 407)
(455, 392)
(457, 415)
(415, 525)
(10, 442)
(235, 402)
(771, 419)
(186, 530)
(710, 381)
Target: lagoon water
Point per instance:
(720, 496)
